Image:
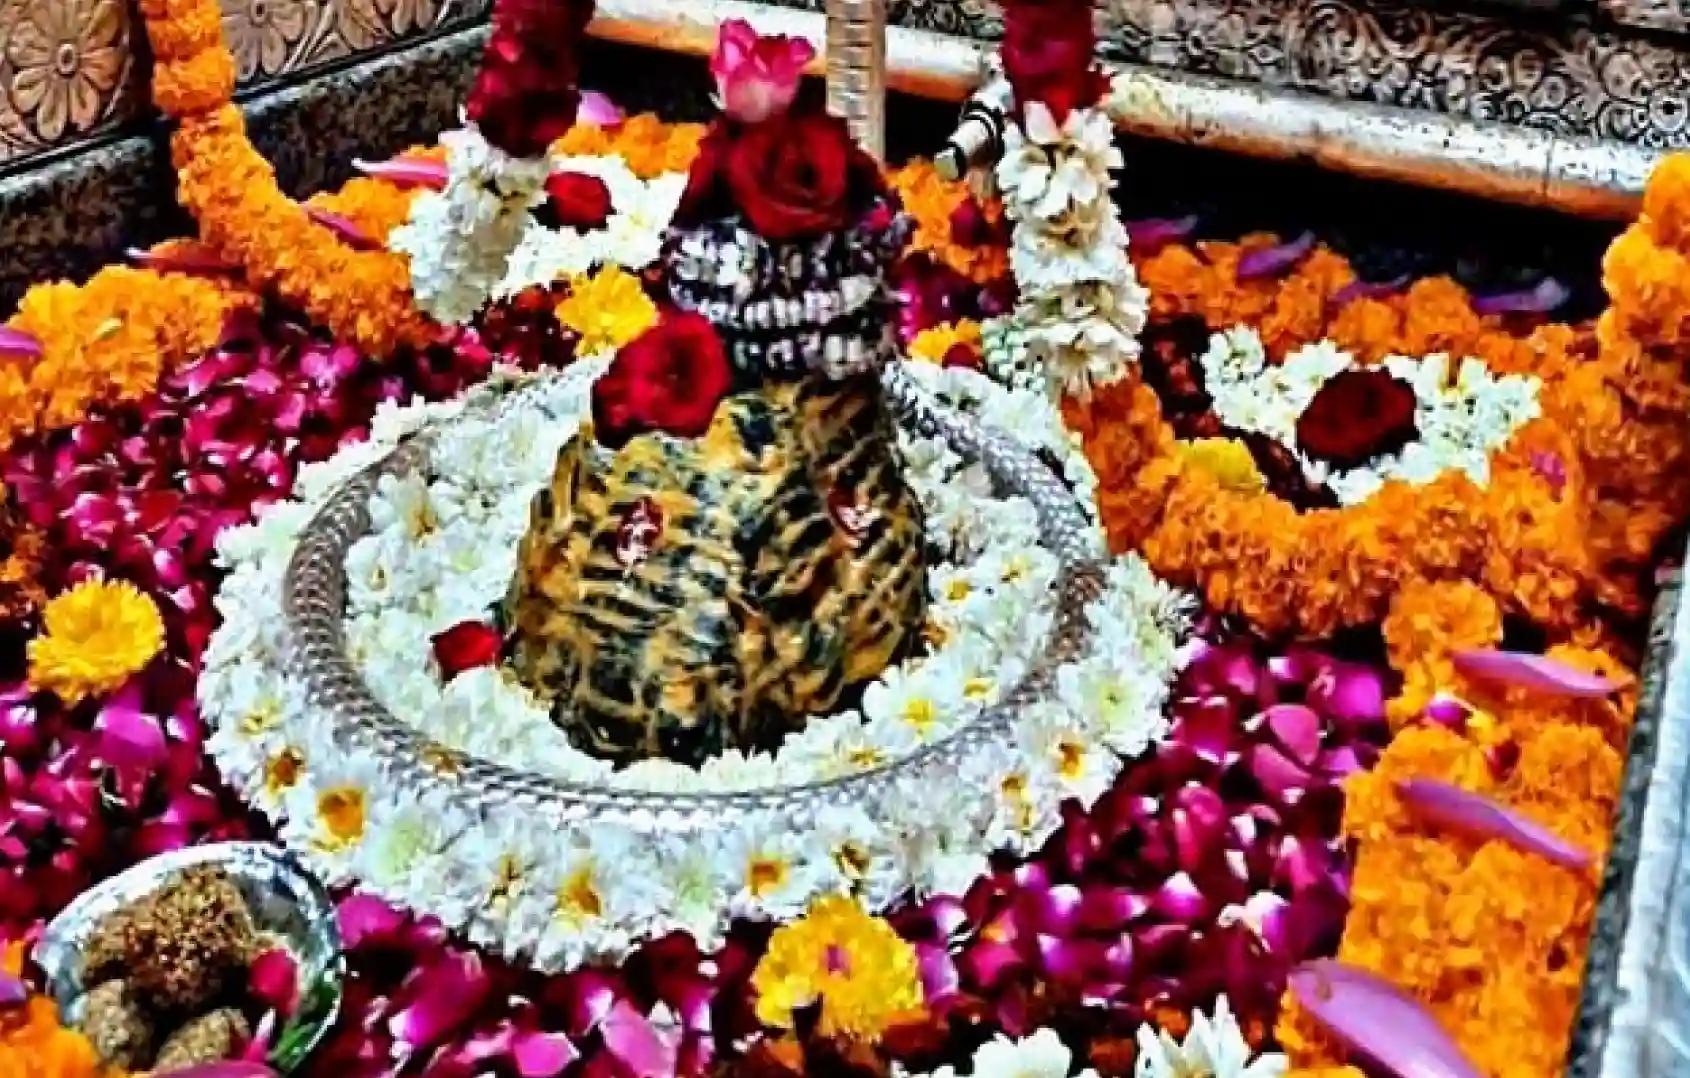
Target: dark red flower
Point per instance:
(525, 94)
(670, 378)
(1048, 54)
(465, 646)
(1357, 416)
(578, 200)
(962, 354)
(795, 176)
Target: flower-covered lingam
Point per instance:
(731, 547)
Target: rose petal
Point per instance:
(1178, 899)
(343, 227)
(1297, 728)
(1537, 673)
(183, 257)
(406, 171)
(1349, 692)
(447, 994)
(541, 1055)
(365, 917)
(1541, 298)
(273, 980)
(19, 345)
(1447, 711)
(1147, 235)
(1480, 817)
(1269, 261)
(940, 979)
(1359, 289)
(1379, 1021)
(129, 737)
(13, 991)
(598, 109)
(631, 1038)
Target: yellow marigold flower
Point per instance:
(97, 634)
(933, 344)
(1227, 459)
(862, 972)
(608, 309)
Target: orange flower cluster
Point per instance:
(650, 146)
(931, 200)
(21, 551)
(1576, 502)
(1491, 938)
(106, 341)
(376, 205)
(361, 296)
(33, 1044)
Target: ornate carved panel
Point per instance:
(1669, 15)
(67, 67)
(1573, 81)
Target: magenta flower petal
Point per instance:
(1147, 235)
(1537, 673)
(13, 991)
(1447, 711)
(1297, 728)
(1178, 899)
(1349, 692)
(406, 171)
(273, 980)
(365, 917)
(636, 1044)
(447, 993)
(343, 227)
(1207, 727)
(129, 737)
(539, 1054)
(1108, 909)
(1480, 817)
(986, 964)
(17, 344)
(1541, 298)
(1199, 824)
(1359, 289)
(940, 979)
(1279, 775)
(1271, 261)
(1379, 1021)
(598, 109)
(191, 258)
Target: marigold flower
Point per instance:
(861, 971)
(97, 635)
(608, 309)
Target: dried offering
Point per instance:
(117, 1026)
(207, 1039)
(181, 947)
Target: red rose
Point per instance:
(703, 199)
(1357, 416)
(1048, 54)
(670, 378)
(466, 645)
(795, 176)
(962, 354)
(525, 95)
(578, 200)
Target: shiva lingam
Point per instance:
(710, 578)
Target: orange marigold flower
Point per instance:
(1666, 202)
(195, 84)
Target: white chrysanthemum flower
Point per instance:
(409, 833)
(773, 871)
(1215, 1048)
(1112, 695)
(1065, 753)
(921, 699)
(1040, 1055)
(330, 807)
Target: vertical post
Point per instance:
(856, 69)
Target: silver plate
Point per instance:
(288, 904)
(314, 600)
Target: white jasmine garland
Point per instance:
(460, 238)
(1040, 1054)
(1461, 421)
(1080, 307)
(442, 550)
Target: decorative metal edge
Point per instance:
(1535, 167)
(314, 601)
(1634, 1019)
(257, 864)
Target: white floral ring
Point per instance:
(558, 890)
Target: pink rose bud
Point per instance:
(757, 77)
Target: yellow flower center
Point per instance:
(281, 771)
(851, 860)
(264, 716)
(1070, 759)
(864, 757)
(766, 875)
(578, 899)
(920, 713)
(958, 589)
(977, 687)
(341, 812)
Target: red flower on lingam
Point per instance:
(670, 378)
(465, 646)
(1047, 53)
(525, 95)
(1357, 416)
(578, 200)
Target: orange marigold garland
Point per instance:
(938, 206)
(361, 296)
(106, 341)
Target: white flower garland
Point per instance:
(1080, 308)
(479, 240)
(556, 894)
(1461, 422)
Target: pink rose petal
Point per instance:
(1537, 673)
(1272, 261)
(406, 171)
(1378, 1020)
(539, 1054)
(757, 77)
(631, 1038)
(446, 994)
(273, 980)
(1147, 235)
(1297, 728)
(184, 257)
(1541, 298)
(129, 737)
(598, 109)
(344, 228)
(1480, 817)
(16, 344)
